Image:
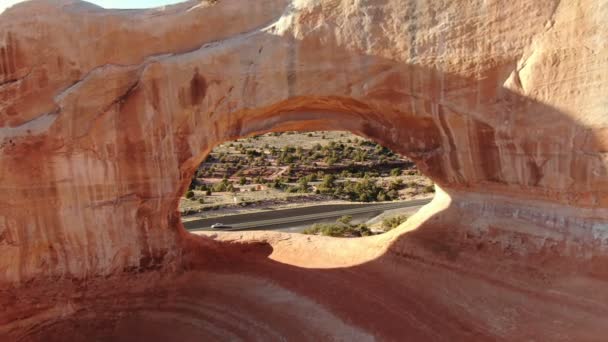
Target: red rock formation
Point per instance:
(104, 115)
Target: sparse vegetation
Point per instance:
(342, 228)
(302, 167)
(393, 222)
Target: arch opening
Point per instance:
(115, 119)
(415, 140)
(311, 182)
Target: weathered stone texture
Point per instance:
(104, 116)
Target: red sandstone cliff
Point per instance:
(104, 115)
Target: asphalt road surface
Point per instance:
(277, 219)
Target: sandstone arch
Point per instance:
(502, 105)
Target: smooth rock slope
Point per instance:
(105, 115)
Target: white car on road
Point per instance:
(219, 226)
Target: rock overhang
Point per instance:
(102, 129)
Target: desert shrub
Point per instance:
(360, 156)
(393, 222)
(276, 184)
(327, 184)
(335, 230)
(189, 194)
(429, 188)
(330, 161)
(396, 172)
(396, 184)
(222, 186)
(345, 219)
(363, 230)
(338, 229)
(392, 194)
(365, 190)
(381, 197)
(303, 185)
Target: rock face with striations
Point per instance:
(105, 115)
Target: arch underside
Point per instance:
(100, 135)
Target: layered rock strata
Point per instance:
(105, 115)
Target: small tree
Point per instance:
(303, 184)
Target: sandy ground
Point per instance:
(306, 140)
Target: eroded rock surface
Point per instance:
(104, 116)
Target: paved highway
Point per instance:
(276, 219)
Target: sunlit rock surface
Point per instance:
(104, 116)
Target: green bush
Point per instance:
(325, 229)
(338, 230)
(365, 190)
(396, 184)
(276, 184)
(393, 222)
(382, 197)
(189, 194)
(222, 186)
(303, 185)
(345, 219)
(342, 228)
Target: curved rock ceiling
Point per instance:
(104, 116)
